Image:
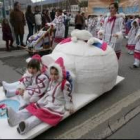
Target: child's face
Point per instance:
(32, 71)
(54, 75)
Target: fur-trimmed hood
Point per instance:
(59, 65)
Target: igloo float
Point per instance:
(93, 63)
(95, 67)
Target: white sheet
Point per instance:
(7, 132)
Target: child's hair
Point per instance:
(34, 63)
(54, 68)
(134, 23)
(4, 22)
(60, 11)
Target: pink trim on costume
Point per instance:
(137, 55)
(2, 106)
(44, 115)
(104, 46)
(130, 47)
(67, 40)
(58, 40)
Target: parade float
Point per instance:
(95, 67)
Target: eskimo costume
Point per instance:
(92, 23)
(34, 86)
(131, 37)
(49, 109)
(60, 28)
(114, 26)
(137, 51)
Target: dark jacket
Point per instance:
(30, 18)
(45, 19)
(17, 20)
(79, 20)
(7, 34)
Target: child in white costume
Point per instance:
(136, 63)
(113, 29)
(33, 83)
(50, 108)
(60, 27)
(99, 27)
(92, 23)
(131, 37)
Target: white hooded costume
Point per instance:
(137, 50)
(114, 26)
(131, 37)
(60, 28)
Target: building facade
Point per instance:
(129, 7)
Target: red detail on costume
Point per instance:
(104, 46)
(111, 19)
(17, 92)
(44, 68)
(60, 62)
(58, 40)
(67, 40)
(130, 47)
(44, 115)
(137, 55)
(2, 106)
(22, 79)
(37, 57)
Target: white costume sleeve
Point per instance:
(25, 81)
(121, 32)
(68, 96)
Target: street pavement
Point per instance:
(12, 65)
(129, 131)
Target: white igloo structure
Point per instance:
(95, 69)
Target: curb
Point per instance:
(108, 121)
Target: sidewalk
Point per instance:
(2, 43)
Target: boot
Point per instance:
(9, 86)
(13, 117)
(10, 93)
